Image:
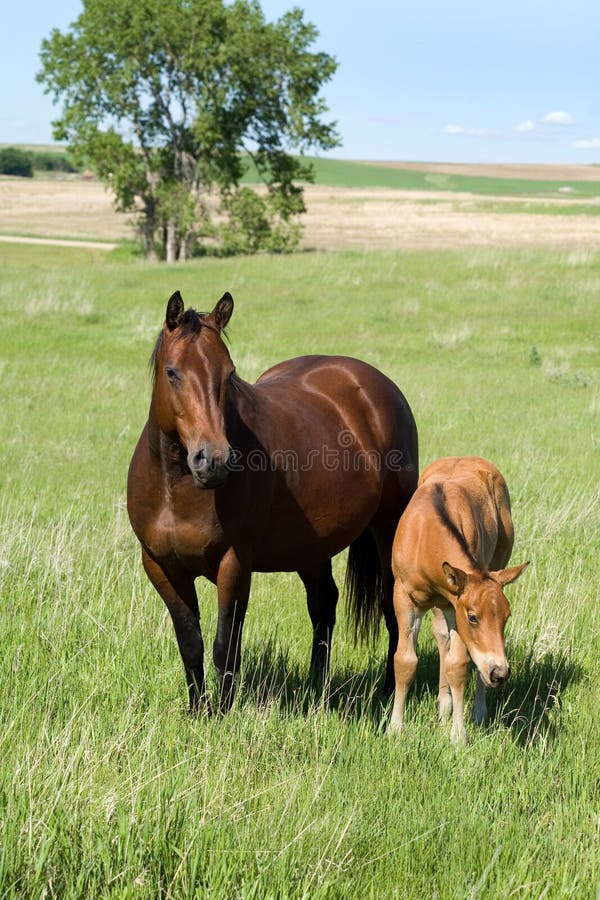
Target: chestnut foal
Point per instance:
(451, 545)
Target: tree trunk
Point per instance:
(171, 242)
(147, 228)
(184, 247)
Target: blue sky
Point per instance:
(459, 81)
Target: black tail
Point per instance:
(364, 587)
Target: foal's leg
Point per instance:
(405, 659)
(321, 597)
(442, 637)
(180, 598)
(233, 590)
(457, 668)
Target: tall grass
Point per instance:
(107, 788)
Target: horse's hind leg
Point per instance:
(506, 533)
(391, 624)
(180, 599)
(499, 560)
(383, 535)
(321, 597)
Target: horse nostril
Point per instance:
(498, 676)
(198, 460)
(209, 464)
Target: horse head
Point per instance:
(192, 367)
(482, 610)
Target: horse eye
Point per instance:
(472, 619)
(172, 374)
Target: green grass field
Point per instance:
(343, 173)
(107, 788)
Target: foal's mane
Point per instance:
(439, 502)
(191, 324)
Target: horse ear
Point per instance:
(221, 314)
(174, 311)
(507, 576)
(456, 578)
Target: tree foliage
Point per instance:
(14, 161)
(169, 101)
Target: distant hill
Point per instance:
(523, 180)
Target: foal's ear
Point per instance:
(507, 576)
(174, 311)
(221, 314)
(456, 578)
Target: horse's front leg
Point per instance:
(408, 617)
(442, 638)
(457, 670)
(179, 595)
(233, 590)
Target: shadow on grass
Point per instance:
(527, 705)
(270, 677)
(530, 702)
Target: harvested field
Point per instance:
(528, 171)
(69, 208)
(344, 218)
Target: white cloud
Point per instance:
(451, 128)
(525, 126)
(560, 117)
(592, 144)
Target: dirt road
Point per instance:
(56, 242)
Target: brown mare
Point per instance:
(455, 531)
(230, 478)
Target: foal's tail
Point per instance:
(364, 587)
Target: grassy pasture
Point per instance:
(107, 788)
(344, 173)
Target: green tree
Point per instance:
(14, 161)
(170, 100)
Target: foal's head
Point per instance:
(192, 367)
(481, 613)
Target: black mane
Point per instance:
(439, 502)
(190, 324)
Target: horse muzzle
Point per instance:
(209, 465)
(497, 675)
